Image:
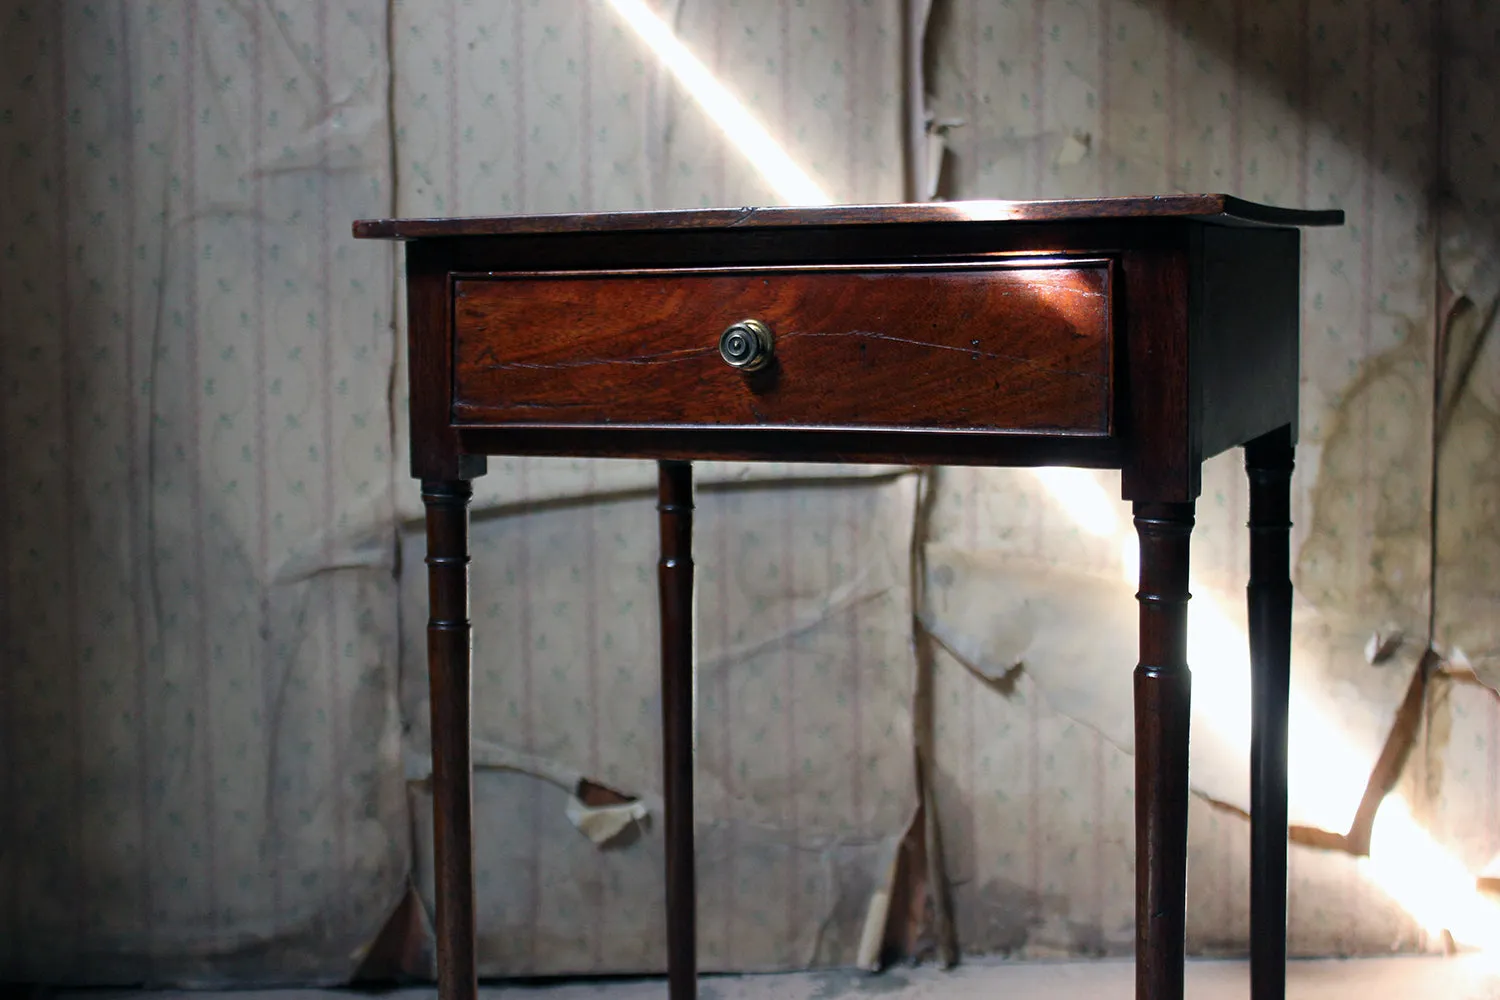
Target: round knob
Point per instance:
(746, 345)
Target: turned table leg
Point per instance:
(1162, 701)
(1268, 461)
(675, 575)
(448, 669)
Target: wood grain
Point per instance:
(435, 451)
(1218, 207)
(1013, 346)
(1163, 701)
(449, 665)
(1162, 463)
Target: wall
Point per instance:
(806, 780)
(200, 735)
(1274, 102)
(214, 722)
(1347, 106)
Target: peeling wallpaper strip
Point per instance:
(1274, 102)
(201, 708)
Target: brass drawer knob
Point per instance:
(746, 345)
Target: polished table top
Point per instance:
(1220, 208)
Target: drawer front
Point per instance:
(1015, 346)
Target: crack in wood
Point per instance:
(696, 353)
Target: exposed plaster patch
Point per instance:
(1366, 557)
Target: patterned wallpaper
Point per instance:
(1300, 103)
(200, 739)
(805, 782)
(212, 710)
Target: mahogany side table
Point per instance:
(1140, 334)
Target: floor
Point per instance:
(1469, 977)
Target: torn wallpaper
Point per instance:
(212, 707)
(1308, 104)
(805, 682)
(199, 745)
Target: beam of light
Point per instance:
(1078, 492)
(1405, 862)
(1427, 880)
(1329, 773)
(790, 181)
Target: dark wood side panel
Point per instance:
(435, 451)
(1161, 464)
(1244, 333)
(1019, 346)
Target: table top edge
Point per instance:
(1218, 208)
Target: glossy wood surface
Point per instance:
(1209, 207)
(1001, 346)
(435, 450)
(1268, 463)
(678, 712)
(1162, 462)
(449, 669)
(1163, 696)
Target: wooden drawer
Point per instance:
(1020, 346)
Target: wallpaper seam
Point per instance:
(1439, 193)
(393, 396)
